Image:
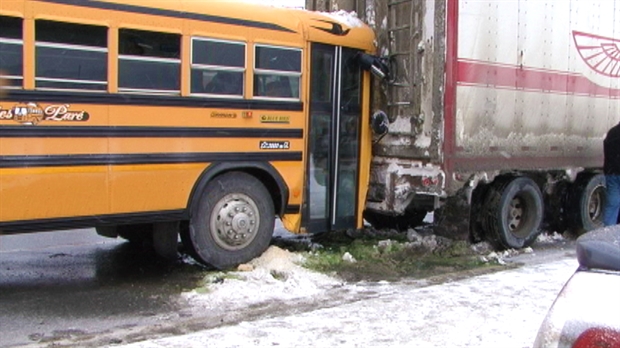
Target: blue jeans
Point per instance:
(612, 202)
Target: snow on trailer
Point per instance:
(498, 111)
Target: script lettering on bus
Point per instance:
(5, 114)
(62, 113)
(223, 114)
(33, 113)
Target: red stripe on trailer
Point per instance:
(504, 76)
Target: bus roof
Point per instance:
(340, 28)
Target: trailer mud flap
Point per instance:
(452, 219)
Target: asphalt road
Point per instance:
(74, 283)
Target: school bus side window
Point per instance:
(149, 62)
(218, 67)
(277, 71)
(70, 56)
(11, 46)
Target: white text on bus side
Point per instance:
(62, 113)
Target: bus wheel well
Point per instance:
(272, 186)
(262, 171)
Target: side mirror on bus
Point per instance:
(374, 64)
(379, 123)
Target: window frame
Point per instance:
(19, 78)
(15, 40)
(294, 74)
(72, 47)
(138, 58)
(218, 68)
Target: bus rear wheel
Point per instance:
(513, 212)
(232, 223)
(137, 234)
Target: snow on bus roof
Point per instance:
(299, 4)
(349, 19)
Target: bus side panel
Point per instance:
(43, 193)
(151, 188)
(41, 176)
(131, 186)
(137, 168)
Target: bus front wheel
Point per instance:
(233, 221)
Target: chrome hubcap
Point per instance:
(234, 221)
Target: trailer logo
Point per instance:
(33, 113)
(601, 54)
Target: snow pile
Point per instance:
(549, 237)
(349, 19)
(278, 3)
(429, 243)
(500, 256)
(274, 275)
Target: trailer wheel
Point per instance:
(585, 203)
(233, 221)
(380, 221)
(514, 209)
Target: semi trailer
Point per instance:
(497, 114)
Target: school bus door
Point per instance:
(333, 163)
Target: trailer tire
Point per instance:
(232, 223)
(585, 203)
(410, 219)
(514, 209)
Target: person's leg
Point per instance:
(612, 203)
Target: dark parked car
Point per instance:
(586, 313)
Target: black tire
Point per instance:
(166, 239)
(410, 219)
(186, 240)
(513, 213)
(232, 223)
(585, 204)
(138, 234)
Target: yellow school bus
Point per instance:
(208, 119)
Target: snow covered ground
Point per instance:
(502, 309)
